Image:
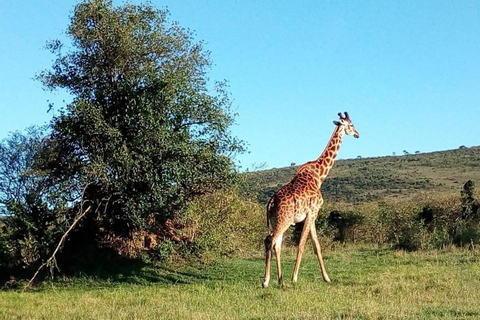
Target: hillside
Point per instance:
(367, 179)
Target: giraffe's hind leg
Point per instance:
(268, 260)
(273, 242)
(301, 247)
(277, 248)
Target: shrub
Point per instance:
(403, 229)
(345, 223)
(466, 234)
(165, 250)
(439, 238)
(223, 223)
(373, 228)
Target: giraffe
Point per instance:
(300, 200)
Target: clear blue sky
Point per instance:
(408, 72)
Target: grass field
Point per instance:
(366, 284)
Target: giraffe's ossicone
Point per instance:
(300, 200)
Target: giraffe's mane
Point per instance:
(305, 166)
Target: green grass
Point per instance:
(366, 284)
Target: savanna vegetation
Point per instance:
(128, 203)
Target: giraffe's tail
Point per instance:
(269, 206)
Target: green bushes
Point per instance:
(345, 222)
(30, 233)
(402, 228)
(426, 222)
(224, 223)
(221, 223)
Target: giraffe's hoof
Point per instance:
(264, 285)
(326, 279)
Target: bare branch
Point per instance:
(52, 261)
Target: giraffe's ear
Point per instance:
(336, 123)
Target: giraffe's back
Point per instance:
(292, 203)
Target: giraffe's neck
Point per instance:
(327, 158)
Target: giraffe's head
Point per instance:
(346, 124)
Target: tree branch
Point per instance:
(52, 259)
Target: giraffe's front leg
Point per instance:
(318, 252)
(301, 247)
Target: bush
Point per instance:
(466, 234)
(439, 238)
(429, 221)
(32, 231)
(403, 231)
(222, 223)
(345, 223)
(165, 250)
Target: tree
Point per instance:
(146, 131)
(29, 205)
(17, 155)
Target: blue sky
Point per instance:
(408, 72)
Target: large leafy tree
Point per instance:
(146, 130)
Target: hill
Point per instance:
(367, 179)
